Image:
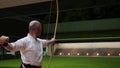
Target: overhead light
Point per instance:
(87, 54)
(98, 54)
(108, 54)
(68, 53)
(119, 54)
(78, 54)
(60, 53)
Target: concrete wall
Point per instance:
(88, 45)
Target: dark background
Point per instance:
(14, 20)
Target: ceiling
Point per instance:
(13, 3)
(37, 7)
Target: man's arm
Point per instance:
(52, 41)
(4, 43)
(6, 46)
(15, 46)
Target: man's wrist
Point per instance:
(5, 45)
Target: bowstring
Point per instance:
(48, 28)
(49, 20)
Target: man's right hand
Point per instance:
(4, 39)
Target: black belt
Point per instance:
(29, 66)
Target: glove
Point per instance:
(4, 40)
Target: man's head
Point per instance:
(35, 27)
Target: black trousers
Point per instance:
(28, 66)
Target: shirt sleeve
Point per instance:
(44, 43)
(18, 45)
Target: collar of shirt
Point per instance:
(31, 37)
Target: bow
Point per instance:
(55, 30)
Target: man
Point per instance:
(30, 47)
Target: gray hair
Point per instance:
(34, 24)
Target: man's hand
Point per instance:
(52, 41)
(3, 40)
(4, 43)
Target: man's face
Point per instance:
(38, 31)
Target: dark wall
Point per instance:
(89, 25)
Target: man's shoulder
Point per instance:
(41, 39)
(24, 39)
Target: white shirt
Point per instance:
(31, 50)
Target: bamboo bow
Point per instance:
(55, 30)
